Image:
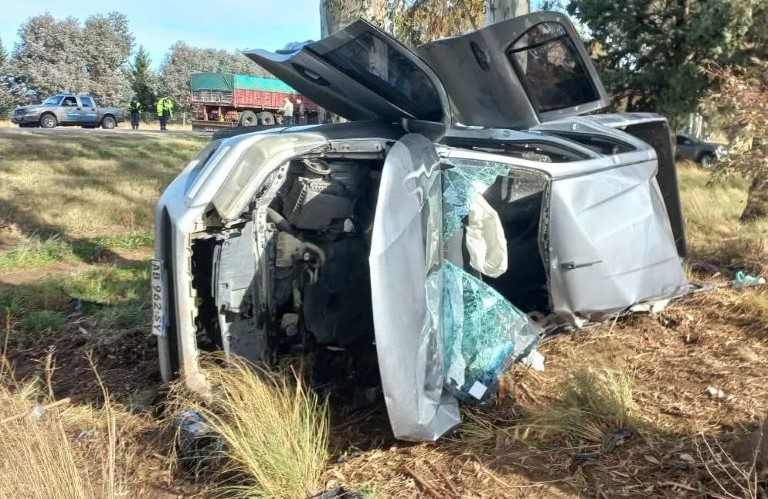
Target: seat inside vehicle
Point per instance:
(518, 201)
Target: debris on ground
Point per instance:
(715, 393)
(742, 280)
(534, 360)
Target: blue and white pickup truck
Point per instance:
(68, 110)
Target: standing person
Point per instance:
(159, 110)
(287, 111)
(135, 108)
(167, 109)
(164, 108)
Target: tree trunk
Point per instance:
(757, 199)
(500, 10)
(336, 14)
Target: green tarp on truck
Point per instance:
(227, 82)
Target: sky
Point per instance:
(220, 24)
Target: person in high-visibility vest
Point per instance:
(135, 108)
(164, 110)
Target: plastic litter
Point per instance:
(534, 360)
(742, 280)
(192, 423)
(715, 393)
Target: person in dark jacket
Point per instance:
(135, 108)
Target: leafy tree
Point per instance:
(183, 60)
(106, 44)
(651, 52)
(61, 55)
(50, 56)
(143, 79)
(741, 104)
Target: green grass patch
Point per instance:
(43, 320)
(109, 284)
(129, 242)
(34, 252)
(112, 298)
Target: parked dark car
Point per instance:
(68, 110)
(704, 153)
(472, 204)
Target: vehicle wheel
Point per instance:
(247, 118)
(108, 123)
(48, 121)
(266, 118)
(707, 160)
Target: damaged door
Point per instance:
(406, 289)
(442, 333)
(610, 243)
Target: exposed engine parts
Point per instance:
(308, 292)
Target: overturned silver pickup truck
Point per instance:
(468, 209)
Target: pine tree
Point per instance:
(3, 54)
(143, 79)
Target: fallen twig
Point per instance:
(425, 484)
(528, 393)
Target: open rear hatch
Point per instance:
(362, 73)
(517, 73)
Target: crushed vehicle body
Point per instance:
(424, 247)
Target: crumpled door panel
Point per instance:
(610, 243)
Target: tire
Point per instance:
(707, 160)
(247, 118)
(266, 118)
(48, 120)
(108, 122)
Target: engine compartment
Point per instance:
(307, 292)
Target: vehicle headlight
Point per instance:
(721, 151)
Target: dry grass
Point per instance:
(275, 430)
(591, 404)
(711, 208)
(87, 185)
(54, 449)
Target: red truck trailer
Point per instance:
(225, 100)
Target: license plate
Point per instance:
(158, 297)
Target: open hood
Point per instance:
(361, 73)
(517, 73)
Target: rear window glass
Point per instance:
(551, 68)
(382, 69)
(86, 101)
